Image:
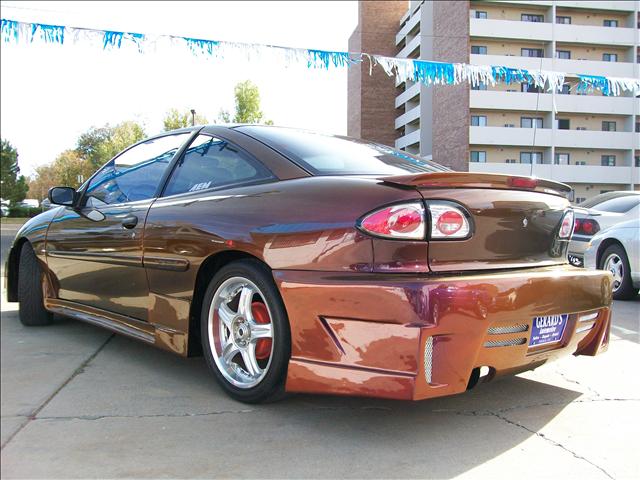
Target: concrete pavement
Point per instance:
(80, 402)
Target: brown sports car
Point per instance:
(309, 263)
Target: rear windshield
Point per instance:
(334, 155)
(603, 197)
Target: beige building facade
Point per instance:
(587, 140)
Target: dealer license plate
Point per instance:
(547, 329)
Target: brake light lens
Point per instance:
(397, 221)
(567, 225)
(523, 182)
(448, 221)
(586, 226)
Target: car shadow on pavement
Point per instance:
(128, 385)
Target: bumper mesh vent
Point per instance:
(505, 343)
(509, 329)
(428, 359)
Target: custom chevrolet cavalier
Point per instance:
(303, 262)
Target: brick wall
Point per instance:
(371, 111)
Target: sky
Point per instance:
(50, 94)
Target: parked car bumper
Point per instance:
(423, 336)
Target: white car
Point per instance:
(617, 249)
(599, 213)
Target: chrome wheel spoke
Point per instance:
(229, 351)
(250, 360)
(226, 315)
(261, 330)
(244, 304)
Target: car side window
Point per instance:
(210, 162)
(136, 173)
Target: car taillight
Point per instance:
(397, 221)
(448, 221)
(523, 182)
(586, 227)
(566, 227)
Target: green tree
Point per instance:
(174, 119)
(98, 145)
(14, 186)
(247, 103)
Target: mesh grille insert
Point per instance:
(428, 359)
(509, 329)
(505, 343)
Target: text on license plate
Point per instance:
(548, 329)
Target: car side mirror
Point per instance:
(62, 196)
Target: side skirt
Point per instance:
(161, 337)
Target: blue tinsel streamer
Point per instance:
(112, 39)
(590, 82)
(325, 58)
(9, 30)
(201, 46)
(432, 72)
(50, 33)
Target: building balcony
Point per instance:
(490, 28)
(410, 47)
(564, 173)
(408, 117)
(411, 23)
(615, 5)
(544, 32)
(588, 67)
(546, 137)
(496, 100)
(408, 139)
(411, 92)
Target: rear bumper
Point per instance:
(422, 336)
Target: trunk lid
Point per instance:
(515, 220)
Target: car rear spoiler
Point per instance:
(478, 180)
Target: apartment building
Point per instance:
(585, 139)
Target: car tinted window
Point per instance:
(332, 155)
(210, 162)
(592, 202)
(619, 205)
(136, 173)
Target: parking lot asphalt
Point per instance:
(79, 402)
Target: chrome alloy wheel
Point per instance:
(614, 264)
(240, 332)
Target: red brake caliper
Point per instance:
(261, 315)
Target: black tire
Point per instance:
(271, 386)
(625, 290)
(30, 296)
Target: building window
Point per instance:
(531, 157)
(609, 57)
(510, 160)
(566, 89)
(563, 19)
(478, 157)
(608, 160)
(480, 14)
(562, 159)
(580, 199)
(637, 157)
(608, 126)
(479, 49)
(638, 127)
(564, 124)
(581, 162)
(526, 87)
(532, 52)
(530, 122)
(480, 86)
(478, 120)
(529, 17)
(610, 23)
(563, 54)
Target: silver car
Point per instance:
(599, 213)
(617, 249)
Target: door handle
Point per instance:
(129, 221)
